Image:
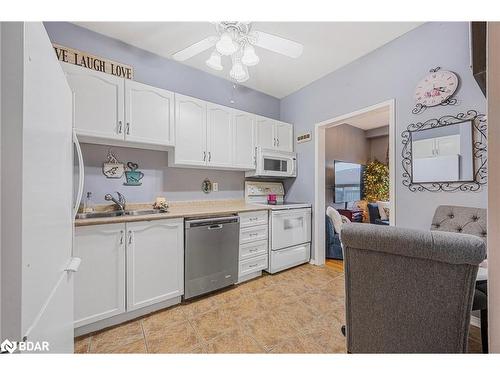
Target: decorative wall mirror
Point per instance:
(446, 154)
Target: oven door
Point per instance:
(290, 227)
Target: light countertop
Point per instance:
(176, 210)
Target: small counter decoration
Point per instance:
(113, 168)
(161, 204)
(133, 176)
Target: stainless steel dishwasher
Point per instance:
(211, 254)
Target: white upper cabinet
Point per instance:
(155, 262)
(190, 131)
(220, 135)
(243, 140)
(264, 130)
(273, 134)
(100, 281)
(149, 114)
(97, 102)
(116, 111)
(284, 136)
(212, 135)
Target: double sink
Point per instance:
(103, 214)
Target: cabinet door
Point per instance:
(284, 136)
(423, 148)
(244, 140)
(448, 145)
(155, 262)
(149, 114)
(100, 281)
(220, 135)
(190, 131)
(265, 132)
(98, 102)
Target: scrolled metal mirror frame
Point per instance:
(479, 152)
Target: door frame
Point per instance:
(319, 172)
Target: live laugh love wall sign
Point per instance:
(87, 60)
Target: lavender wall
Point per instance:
(159, 180)
(391, 71)
(175, 183)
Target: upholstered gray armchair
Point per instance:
(408, 291)
(469, 220)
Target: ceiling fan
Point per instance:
(237, 39)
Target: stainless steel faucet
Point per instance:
(120, 203)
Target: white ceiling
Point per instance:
(370, 120)
(327, 47)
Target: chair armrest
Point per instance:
(345, 219)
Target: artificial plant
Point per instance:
(376, 181)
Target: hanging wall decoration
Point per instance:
(112, 168)
(446, 154)
(133, 176)
(206, 186)
(436, 88)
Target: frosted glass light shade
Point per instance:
(237, 71)
(249, 58)
(226, 45)
(214, 61)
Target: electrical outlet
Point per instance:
(215, 186)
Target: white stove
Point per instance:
(289, 225)
(257, 192)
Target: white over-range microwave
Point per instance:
(272, 163)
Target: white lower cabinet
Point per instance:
(155, 258)
(100, 280)
(126, 267)
(254, 244)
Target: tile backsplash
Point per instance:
(175, 184)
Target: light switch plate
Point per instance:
(215, 186)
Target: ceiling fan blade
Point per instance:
(195, 49)
(277, 44)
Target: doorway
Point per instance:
(360, 120)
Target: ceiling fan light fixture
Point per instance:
(249, 58)
(245, 77)
(238, 71)
(226, 45)
(214, 61)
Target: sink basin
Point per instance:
(142, 212)
(96, 215)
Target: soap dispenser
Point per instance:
(88, 206)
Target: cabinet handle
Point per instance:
(274, 141)
(204, 155)
(278, 142)
(129, 237)
(253, 265)
(121, 237)
(253, 250)
(120, 127)
(128, 128)
(209, 156)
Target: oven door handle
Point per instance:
(291, 212)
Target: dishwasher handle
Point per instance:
(216, 226)
(213, 222)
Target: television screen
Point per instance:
(348, 182)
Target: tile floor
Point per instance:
(299, 310)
